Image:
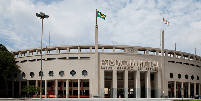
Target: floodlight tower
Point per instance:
(42, 16)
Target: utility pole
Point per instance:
(49, 38)
(175, 46)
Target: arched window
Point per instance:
(197, 77)
(186, 76)
(23, 74)
(40, 73)
(31, 74)
(61, 73)
(51, 73)
(171, 75)
(73, 73)
(179, 76)
(192, 77)
(84, 72)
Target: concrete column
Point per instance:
(102, 84)
(27, 85)
(46, 51)
(182, 91)
(20, 54)
(20, 88)
(147, 85)
(68, 49)
(113, 49)
(156, 52)
(114, 82)
(56, 50)
(125, 83)
(194, 59)
(102, 49)
(166, 53)
(56, 88)
(67, 88)
(194, 89)
(147, 51)
(157, 84)
(90, 49)
(28, 53)
(13, 89)
(189, 57)
(189, 90)
(90, 87)
(174, 55)
(45, 88)
(36, 85)
(78, 88)
(36, 51)
(79, 50)
(182, 56)
(175, 83)
(137, 92)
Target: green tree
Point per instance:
(7, 65)
(31, 89)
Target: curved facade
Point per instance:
(123, 71)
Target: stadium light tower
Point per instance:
(42, 16)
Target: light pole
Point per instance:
(42, 16)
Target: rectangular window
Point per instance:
(85, 84)
(75, 84)
(73, 57)
(84, 57)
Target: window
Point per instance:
(51, 58)
(197, 77)
(171, 75)
(84, 72)
(23, 74)
(31, 74)
(186, 76)
(179, 76)
(62, 58)
(73, 57)
(61, 73)
(73, 73)
(51, 73)
(75, 84)
(40, 73)
(85, 84)
(192, 77)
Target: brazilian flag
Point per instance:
(101, 15)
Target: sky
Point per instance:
(127, 22)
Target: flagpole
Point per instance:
(96, 16)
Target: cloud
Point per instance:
(135, 23)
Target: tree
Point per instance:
(30, 89)
(7, 65)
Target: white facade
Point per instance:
(124, 71)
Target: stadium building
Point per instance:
(107, 71)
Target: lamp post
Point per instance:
(42, 16)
